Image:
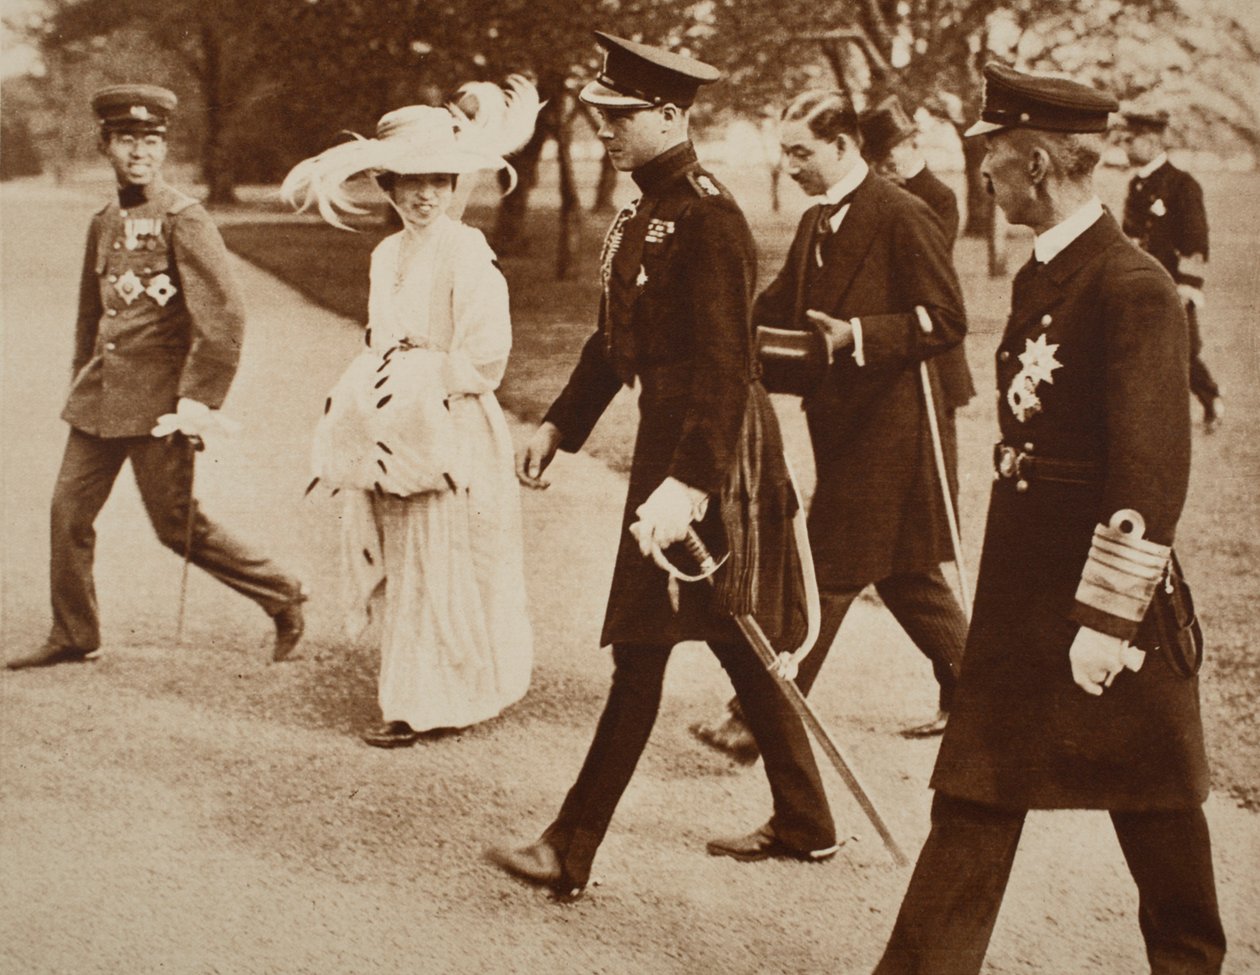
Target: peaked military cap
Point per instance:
(638, 75)
(134, 108)
(884, 126)
(1146, 121)
(1013, 99)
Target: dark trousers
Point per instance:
(950, 908)
(802, 817)
(1202, 385)
(164, 474)
(927, 610)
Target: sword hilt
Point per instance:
(700, 552)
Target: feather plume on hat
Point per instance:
(471, 134)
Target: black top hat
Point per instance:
(1013, 99)
(1156, 121)
(883, 127)
(638, 75)
(134, 108)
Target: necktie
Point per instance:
(823, 228)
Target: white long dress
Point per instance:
(437, 550)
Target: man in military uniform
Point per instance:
(1165, 216)
(158, 335)
(860, 263)
(1079, 689)
(678, 270)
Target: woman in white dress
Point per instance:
(412, 439)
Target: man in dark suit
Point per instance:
(158, 334)
(1165, 216)
(860, 264)
(890, 143)
(678, 270)
(1058, 708)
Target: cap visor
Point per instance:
(604, 97)
(983, 128)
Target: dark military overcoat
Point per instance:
(159, 315)
(675, 321)
(878, 507)
(1165, 215)
(1100, 333)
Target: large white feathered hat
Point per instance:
(473, 133)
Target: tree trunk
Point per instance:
(216, 155)
(606, 186)
(509, 224)
(570, 204)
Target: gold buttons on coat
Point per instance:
(110, 346)
(111, 312)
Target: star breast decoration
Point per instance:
(1039, 363)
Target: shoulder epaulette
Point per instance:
(703, 183)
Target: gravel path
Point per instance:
(196, 809)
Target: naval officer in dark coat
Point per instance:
(860, 263)
(1078, 689)
(1165, 216)
(158, 335)
(678, 269)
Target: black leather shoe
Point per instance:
(290, 624)
(536, 863)
(929, 729)
(730, 736)
(762, 844)
(48, 655)
(391, 734)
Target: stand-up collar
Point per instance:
(659, 171)
(1146, 171)
(1049, 244)
(133, 195)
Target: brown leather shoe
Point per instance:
(391, 734)
(536, 863)
(730, 736)
(50, 654)
(929, 729)
(290, 625)
(763, 844)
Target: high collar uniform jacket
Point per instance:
(159, 315)
(1165, 216)
(878, 508)
(674, 320)
(1092, 368)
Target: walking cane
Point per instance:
(197, 445)
(760, 643)
(964, 588)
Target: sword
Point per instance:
(197, 445)
(782, 672)
(964, 588)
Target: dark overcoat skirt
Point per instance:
(878, 508)
(1102, 325)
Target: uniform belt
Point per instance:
(1023, 467)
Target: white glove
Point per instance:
(193, 419)
(667, 514)
(1097, 658)
(1190, 295)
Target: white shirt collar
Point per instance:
(1049, 244)
(847, 183)
(918, 168)
(1153, 165)
(842, 188)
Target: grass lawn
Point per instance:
(1217, 535)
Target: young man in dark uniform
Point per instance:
(1078, 690)
(158, 335)
(1165, 216)
(678, 269)
(860, 263)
